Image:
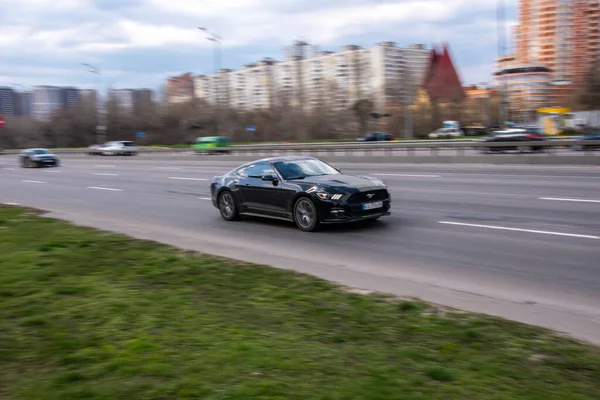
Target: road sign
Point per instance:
(2, 121)
(140, 134)
(251, 128)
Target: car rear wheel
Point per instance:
(227, 206)
(305, 215)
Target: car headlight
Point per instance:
(328, 196)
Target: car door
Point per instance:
(260, 196)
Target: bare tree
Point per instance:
(363, 109)
(589, 96)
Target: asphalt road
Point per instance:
(521, 242)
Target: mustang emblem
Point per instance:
(370, 195)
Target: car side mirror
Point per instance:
(269, 178)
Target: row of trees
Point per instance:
(182, 123)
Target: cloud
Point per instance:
(140, 42)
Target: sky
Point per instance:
(139, 43)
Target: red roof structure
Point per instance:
(441, 80)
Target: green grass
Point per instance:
(86, 314)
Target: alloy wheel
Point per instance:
(305, 214)
(227, 206)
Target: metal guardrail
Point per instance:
(433, 147)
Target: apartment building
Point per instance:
(180, 89)
(23, 104)
(46, 100)
(8, 108)
(128, 99)
(562, 35)
(313, 79)
(527, 87)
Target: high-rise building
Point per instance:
(128, 99)
(49, 99)
(563, 35)
(8, 107)
(125, 98)
(23, 104)
(311, 78)
(180, 89)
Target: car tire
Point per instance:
(306, 216)
(227, 206)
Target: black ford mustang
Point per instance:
(304, 190)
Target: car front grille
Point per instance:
(371, 195)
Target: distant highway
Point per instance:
(521, 242)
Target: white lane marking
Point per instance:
(54, 171)
(9, 203)
(187, 179)
(27, 181)
(11, 169)
(104, 166)
(205, 198)
(104, 174)
(504, 228)
(574, 200)
(169, 168)
(411, 175)
(105, 188)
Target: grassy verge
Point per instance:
(86, 314)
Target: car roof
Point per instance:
(35, 148)
(276, 159)
(284, 158)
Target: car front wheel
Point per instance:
(305, 215)
(227, 206)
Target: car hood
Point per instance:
(361, 183)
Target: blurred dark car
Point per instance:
(475, 130)
(584, 146)
(513, 140)
(34, 158)
(376, 137)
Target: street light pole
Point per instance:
(101, 127)
(217, 59)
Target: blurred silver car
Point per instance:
(116, 148)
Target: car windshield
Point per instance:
(300, 169)
(40, 151)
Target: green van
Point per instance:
(211, 145)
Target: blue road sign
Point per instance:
(140, 134)
(251, 128)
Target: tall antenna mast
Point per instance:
(501, 20)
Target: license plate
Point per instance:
(372, 206)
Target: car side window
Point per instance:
(242, 172)
(259, 170)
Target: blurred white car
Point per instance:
(445, 133)
(116, 148)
